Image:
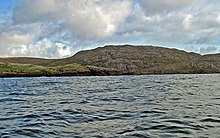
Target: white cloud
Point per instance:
(91, 19)
(25, 40)
(44, 48)
(63, 50)
(17, 36)
(188, 19)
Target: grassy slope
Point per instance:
(27, 70)
(11, 69)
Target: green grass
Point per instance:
(10, 69)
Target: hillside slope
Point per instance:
(129, 59)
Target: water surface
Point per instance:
(119, 106)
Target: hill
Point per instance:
(127, 59)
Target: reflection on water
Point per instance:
(122, 106)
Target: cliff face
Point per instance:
(137, 60)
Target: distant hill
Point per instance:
(129, 59)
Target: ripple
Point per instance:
(164, 127)
(31, 116)
(21, 93)
(216, 98)
(28, 132)
(121, 106)
(214, 120)
(139, 135)
(153, 112)
(125, 131)
(35, 124)
(12, 100)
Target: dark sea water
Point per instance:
(119, 106)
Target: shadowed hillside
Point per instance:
(129, 59)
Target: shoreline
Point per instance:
(99, 75)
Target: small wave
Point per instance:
(214, 120)
(175, 99)
(24, 117)
(12, 100)
(186, 124)
(46, 115)
(4, 135)
(216, 98)
(153, 112)
(31, 116)
(139, 135)
(31, 132)
(50, 82)
(20, 93)
(76, 111)
(165, 127)
(175, 121)
(125, 131)
(35, 124)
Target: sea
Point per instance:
(151, 106)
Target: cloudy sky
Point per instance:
(60, 28)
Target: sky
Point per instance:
(60, 28)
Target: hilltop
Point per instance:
(128, 59)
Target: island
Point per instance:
(114, 60)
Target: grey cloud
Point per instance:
(202, 49)
(198, 24)
(208, 50)
(164, 6)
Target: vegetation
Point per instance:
(12, 69)
(29, 70)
